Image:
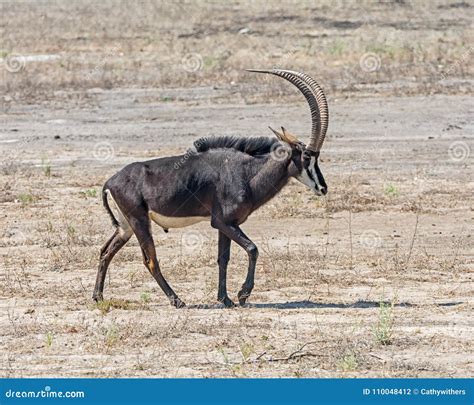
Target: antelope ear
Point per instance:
(277, 134)
(288, 137)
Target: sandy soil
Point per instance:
(376, 279)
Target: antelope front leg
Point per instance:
(236, 234)
(223, 260)
(249, 282)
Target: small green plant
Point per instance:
(298, 374)
(46, 166)
(71, 231)
(89, 193)
(384, 49)
(220, 349)
(210, 62)
(337, 48)
(246, 349)
(236, 369)
(145, 297)
(348, 362)
(49, 227)
(383, 329)
(27, 199)
(139, 366)
(49, 339)
(391, 190)
(105, 306)
(111, 336)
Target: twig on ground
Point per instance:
(413, 239)
(294, 355)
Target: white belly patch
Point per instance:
(174, 222)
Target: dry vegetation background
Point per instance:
(376, 279)
(422, 47)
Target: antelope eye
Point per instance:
(306, 160)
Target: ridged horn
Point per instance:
(316, 99)
(322, 105)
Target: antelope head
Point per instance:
(305, 157)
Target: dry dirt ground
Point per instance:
(375, 279)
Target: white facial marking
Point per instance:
(305, 179)
(313, 172)
(308, 181)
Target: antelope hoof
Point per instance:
(228, 303)
(243, 295)
(177, 303)
(97, 297)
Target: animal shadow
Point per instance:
(360, 304)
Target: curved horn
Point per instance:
(323, 108)
(316, 99)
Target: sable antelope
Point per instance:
(223, 180)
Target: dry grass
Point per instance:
(413, 47)
(369, 281)
(349, 332)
